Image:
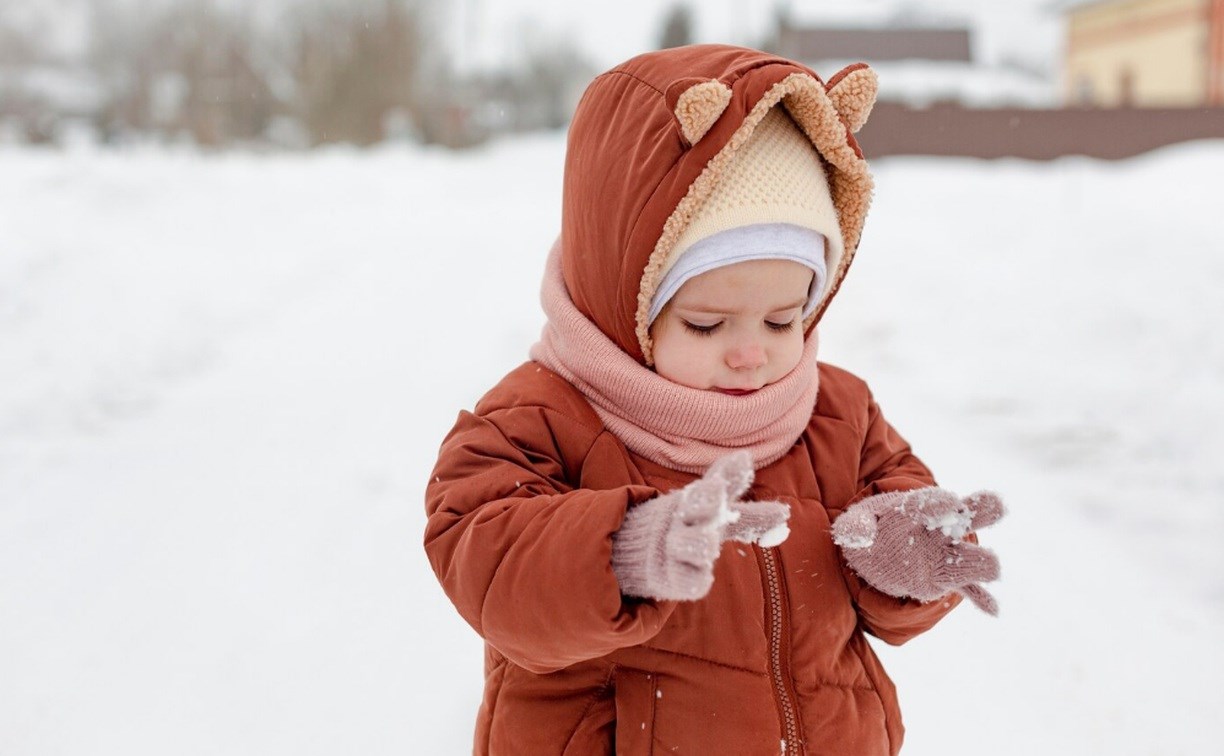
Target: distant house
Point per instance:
(1153, 53)
(918, 64)
(875, 45)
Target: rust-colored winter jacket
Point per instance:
(529, 487)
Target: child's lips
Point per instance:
(736, 392)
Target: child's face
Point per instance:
(734, 329)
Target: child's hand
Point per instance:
(910, 544)
(666, 547)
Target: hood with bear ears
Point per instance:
(649, 142)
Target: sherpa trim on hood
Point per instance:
(634, 177)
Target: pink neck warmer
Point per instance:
(676, 426)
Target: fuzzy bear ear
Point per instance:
(853, 93)
(699, 106)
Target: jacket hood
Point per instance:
(649, 142)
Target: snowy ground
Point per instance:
(223, 380)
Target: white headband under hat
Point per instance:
(759, 241)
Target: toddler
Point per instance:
(673, 526)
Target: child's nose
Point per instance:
(746, 356)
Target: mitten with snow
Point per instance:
(910, 544)
(666, 547)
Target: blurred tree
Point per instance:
(187, 69)
(319, 71)
(536, 87)
(334, 70)
(225, 96)
(555, 73)
(677, 28)
(15, 45)
(355, 69)
(23, 113)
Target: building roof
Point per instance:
(1068, 6)
(874, 44)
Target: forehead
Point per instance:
(757, 284)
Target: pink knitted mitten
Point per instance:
(909, 544)
(666, 547)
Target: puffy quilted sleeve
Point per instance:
(888, 464)
(525, 557)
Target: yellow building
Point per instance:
(1147, 53)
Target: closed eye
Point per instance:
(781, 327)
(701, 330)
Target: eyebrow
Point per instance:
(705, 310)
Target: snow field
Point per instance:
(224, 378)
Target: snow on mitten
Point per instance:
(909, 544)
(666, 547)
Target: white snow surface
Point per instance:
(923, 83)
(224, 379)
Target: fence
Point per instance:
(1111, 133)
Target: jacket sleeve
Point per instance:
(525, 558)
(888, 464)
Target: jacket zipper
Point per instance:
(790, 720)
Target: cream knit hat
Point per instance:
(776, 177)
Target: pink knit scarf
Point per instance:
(676, 426)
